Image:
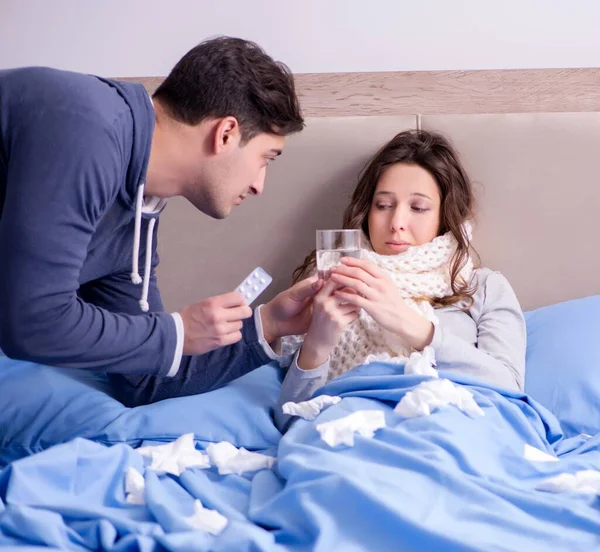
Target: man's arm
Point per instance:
(201, 373)
(64, 170)
(191, 374)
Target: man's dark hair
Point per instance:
(228, 76)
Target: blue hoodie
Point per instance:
(74, 152)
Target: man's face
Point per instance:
(236, 170)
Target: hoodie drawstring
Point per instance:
(139, 201)
(144, 300)
(135, 276)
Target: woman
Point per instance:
(416, 285)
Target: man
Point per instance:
(86, 166)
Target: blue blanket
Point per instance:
(446, 481)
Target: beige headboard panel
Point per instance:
(537, 180)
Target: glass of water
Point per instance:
(332, 245)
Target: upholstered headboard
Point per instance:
(536, 174)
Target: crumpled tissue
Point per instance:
(422, 363)
(583, 482)
(536, 455)
(433, 394)
(309, 410)
(342, 430)
(230, 459)
(135, 485)
(175, 457)
(207, 520)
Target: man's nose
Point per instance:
(259, 184)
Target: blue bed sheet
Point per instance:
(41, 406)
(442, 482)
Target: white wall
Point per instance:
(145, 38)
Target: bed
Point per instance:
(451, 480)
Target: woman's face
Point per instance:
(405, 210)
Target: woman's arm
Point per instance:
(299, 385)
(499, 356)
(310, 366)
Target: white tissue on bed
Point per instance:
(230, 459)
(342, 430)
(422, 364)
(309, 410)
(207, 520)
(175, 457)
(433, 394)
(584, 482)
(536, 455)
(135, 485)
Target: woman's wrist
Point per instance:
(420, 334)
(417, 332)
(312, 355)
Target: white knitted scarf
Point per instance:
(420, 272)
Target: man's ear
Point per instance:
(227, 135)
